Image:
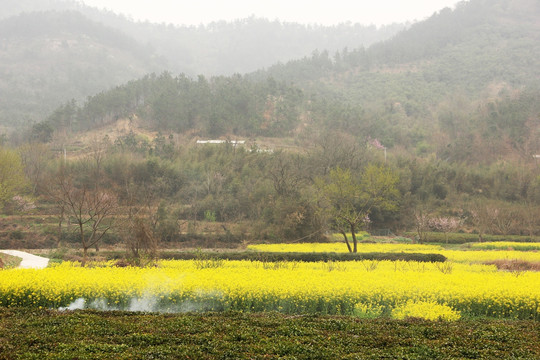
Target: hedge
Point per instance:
(305, 257)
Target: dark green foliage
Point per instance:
(42, 132)
(217, 106)
(17, 235)
(306, 257)
(30, 334)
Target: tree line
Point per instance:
(455, 128)
(143, 192)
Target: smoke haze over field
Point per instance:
(302, 11)
(147, 303)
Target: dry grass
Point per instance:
(515, 265)
(115, 130)
(8, 261)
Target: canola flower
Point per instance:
(364, 287)
(428, 310)
(469, 256)
(506, 245)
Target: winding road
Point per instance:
(29, 261)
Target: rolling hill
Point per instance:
(463, 84)
(47, 58)
(54, 51)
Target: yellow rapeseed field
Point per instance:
(385, 288)
(469, 256)
(506, 245)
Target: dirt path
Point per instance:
(29, 261)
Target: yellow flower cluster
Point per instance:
(288, 287)
(506, 245)
(469, 256)
(428, 310)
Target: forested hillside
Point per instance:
(445, 116)
(462, 84)
(67, 50)
(477, 43)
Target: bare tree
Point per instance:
(445, 225)
(34, 158)
(422, 223)
(531, 220)
(81, 198)
(53, 190)
(141, 243)
(483, 216)
(138, 229)
(90, 210)
(505, 220)
(285, 173)
(333, 150)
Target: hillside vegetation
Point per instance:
(462, 84)
(446, 114)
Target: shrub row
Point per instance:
(463, 238)
(305, 257)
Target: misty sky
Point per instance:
(326, 12)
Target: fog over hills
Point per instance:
(52, 51)
(463, 83)
(403, 90)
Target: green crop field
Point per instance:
(47, 334)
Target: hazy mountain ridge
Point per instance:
(69, 24)
(16, 7)
(224, 48)
(467, 95)
(47, 58)
(220, 47)
(71, 51)
(479, 36)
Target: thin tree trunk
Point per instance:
(346, 240)
(85, 256)
(60, 235)
(355, 241)
(83, 242)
